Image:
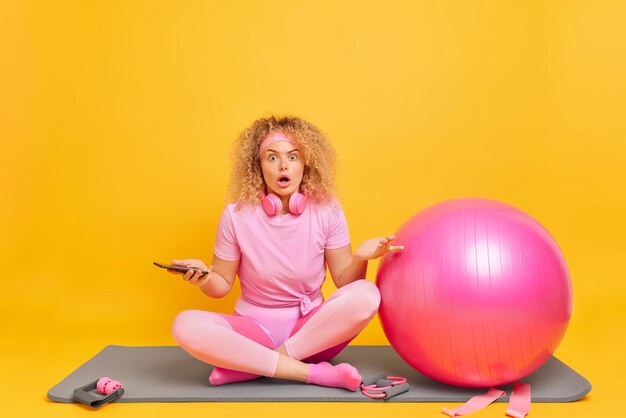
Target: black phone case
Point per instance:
(182, 269)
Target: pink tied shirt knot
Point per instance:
(305, 305)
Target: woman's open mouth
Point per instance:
(284, 181)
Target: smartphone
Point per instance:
(181, 269)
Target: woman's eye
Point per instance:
(272, 158)
(293, 157)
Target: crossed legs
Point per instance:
(241, 350)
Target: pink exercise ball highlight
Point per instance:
(481, 295)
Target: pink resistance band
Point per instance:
(476, 403)
(519, 403)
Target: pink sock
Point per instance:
(221, 376)
(340, 376)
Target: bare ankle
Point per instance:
(289, 368)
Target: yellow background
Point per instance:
(117, 117)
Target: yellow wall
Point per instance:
(116, 120)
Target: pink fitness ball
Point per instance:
(481, 295)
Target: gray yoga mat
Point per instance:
(169, 374)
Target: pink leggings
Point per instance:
(240, 343)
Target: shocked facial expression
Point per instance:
(282, 164)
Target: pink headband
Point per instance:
(274, 137)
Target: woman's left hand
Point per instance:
(377, 247)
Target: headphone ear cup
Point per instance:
(272, 204)
(297, 203)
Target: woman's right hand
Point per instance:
(198, 274)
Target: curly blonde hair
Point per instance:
(318, 182)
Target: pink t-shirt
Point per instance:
(281, 257)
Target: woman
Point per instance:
(278, 236)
